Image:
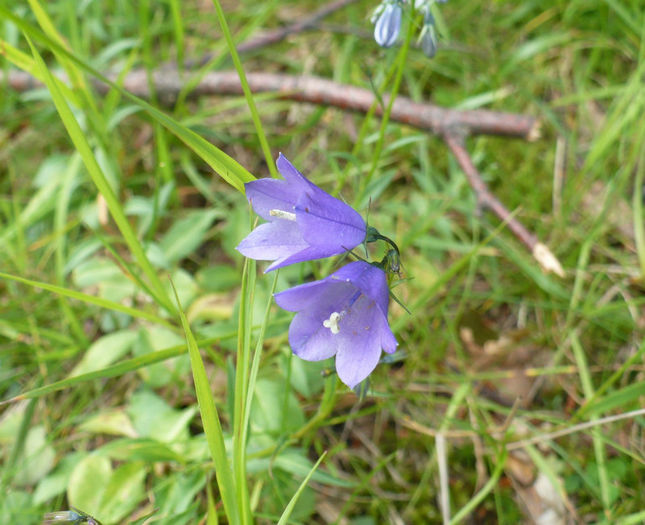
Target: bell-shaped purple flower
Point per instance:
(344, 315)
(388, 25)
(305, 223)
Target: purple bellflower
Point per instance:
(305, 223)
(388, 24)
(343, 315)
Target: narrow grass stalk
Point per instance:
(90, 299)
(401, 58)
(211, 422)
(549, 436)
(96, 120)
(590, 402)
(633, 519)
(80, 86)
(178, 31)
(255, 365)
(60, 219)
(241, 406)
(211, 516)
(118, 369)
(598, 445)
(468, 508)
(639, 219)
(77, 136)
(247, 90)
(284, 519)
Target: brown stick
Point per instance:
(451, 125)
(315, 90)
(486, 199)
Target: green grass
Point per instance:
(135, 403)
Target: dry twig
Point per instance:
(316, 90)
(454, 140)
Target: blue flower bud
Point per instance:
(388, 25)
(429, 36)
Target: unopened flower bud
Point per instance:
(388, 25)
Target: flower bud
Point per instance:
(388, 25)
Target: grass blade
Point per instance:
(294, 499)
(245, 87)
(90, 299)
(211, 422)
(598, 445)
(98, 177)
(241, 388)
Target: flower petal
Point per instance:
(369, 279)
(353, 367)
(301, 297)
(388, 25)
(309, 253)
(271, 194)
(294, 177)
(330, 223)
(272, 240)
(309, 339)
(359, 347)
(388, 341)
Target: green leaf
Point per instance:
(111, 421)
(218, 278)
(266, 413)
(105, 351)
(187, 234)
(155, 338)
(152, 417)
(141, 449)
(37, 458)
(87, 483)
(623, 398)
(123, 492)
(294, 462)
(56, 483)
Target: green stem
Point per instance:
(386, 114)
(241, 390)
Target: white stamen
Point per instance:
(281, 214)
(332, 322)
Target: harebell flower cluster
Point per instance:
(345, 314)
(387, 19)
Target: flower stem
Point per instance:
(403, 53)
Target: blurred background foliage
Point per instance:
(488, 329)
